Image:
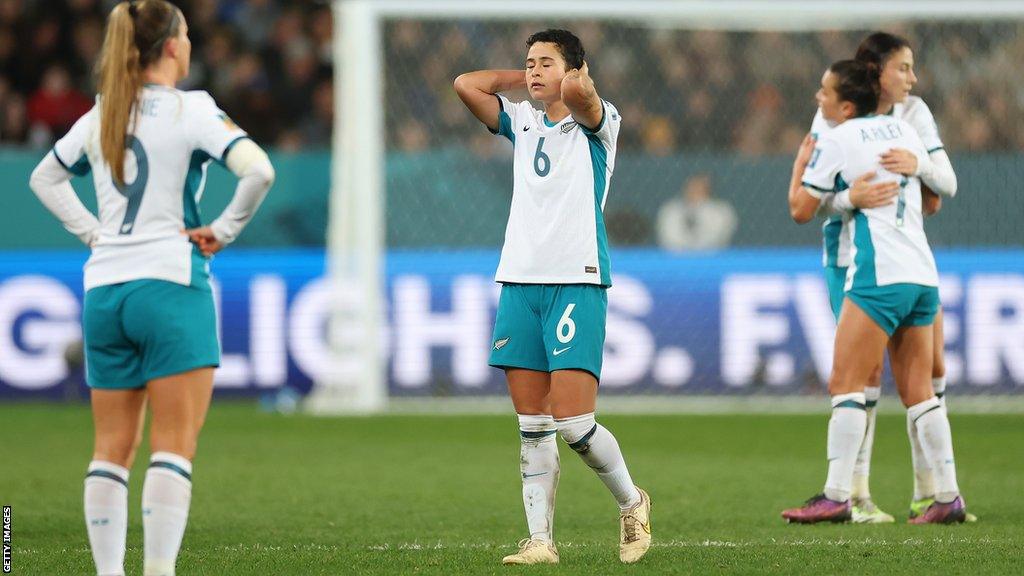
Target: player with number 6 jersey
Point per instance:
(149, 318)
(554, 270)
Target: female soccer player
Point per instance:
(894, 59)
(149, 320)
(891, 292)
(554, 270)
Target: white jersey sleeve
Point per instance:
(822, 173)
(918, 115)
(209, 127)
(508, 113)
(607, 132)
(71, 149)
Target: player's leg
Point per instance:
(911, 359)
(860, 343)
(573, 399)
(864, 510)
(518, 348)
(939, 358)
(179, 404)
(114, 374)
(118, 417)
(538, 463)
(574, 332)
(175, 329)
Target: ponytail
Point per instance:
(136, 32)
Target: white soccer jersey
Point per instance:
(836, 245)
(888, 243)
(177, 135)
(555, 232)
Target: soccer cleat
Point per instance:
(918, 507)
(819, 509)
(635, 530)
(533, 552)
(953, 512)
(865, 511)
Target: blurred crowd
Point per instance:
(269, 66)
(752, 92)
(267, 63)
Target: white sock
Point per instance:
(862, 467)
(599, 450)
(166, 495)
(106, 515)
(939, 385)
(937, 441)
(924, 478)
(538, 463)
(845, 436)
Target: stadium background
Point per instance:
(750, 318)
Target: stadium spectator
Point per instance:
(57, 104)
(695, 220)
(716, 91)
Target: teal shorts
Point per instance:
(144, 329)
(897, 305)
(835, 278)
(548, 327)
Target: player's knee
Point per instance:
(576, 430)
(117, 448)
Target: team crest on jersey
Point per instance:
(567, 127)
(499, 344)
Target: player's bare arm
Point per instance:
(477, 90)
(580, 96)
(802, 204)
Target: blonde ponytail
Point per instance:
(131, 25)
(119, 84)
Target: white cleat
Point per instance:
(635, 530)
(533, 552)
(866, 512)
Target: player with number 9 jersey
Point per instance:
(149, 319)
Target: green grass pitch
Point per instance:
(298, 495)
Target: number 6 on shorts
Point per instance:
(566, 329)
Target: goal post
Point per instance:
(356, 379)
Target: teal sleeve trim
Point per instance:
(930, 150)
(80, 168)
(224, 155)
(818, 188)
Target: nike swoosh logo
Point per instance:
(526, 128)
(532, 475)
(556, 351)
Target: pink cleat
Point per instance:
(953, 512)
(819, 509)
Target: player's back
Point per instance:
(889, 239)
(175, 136)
